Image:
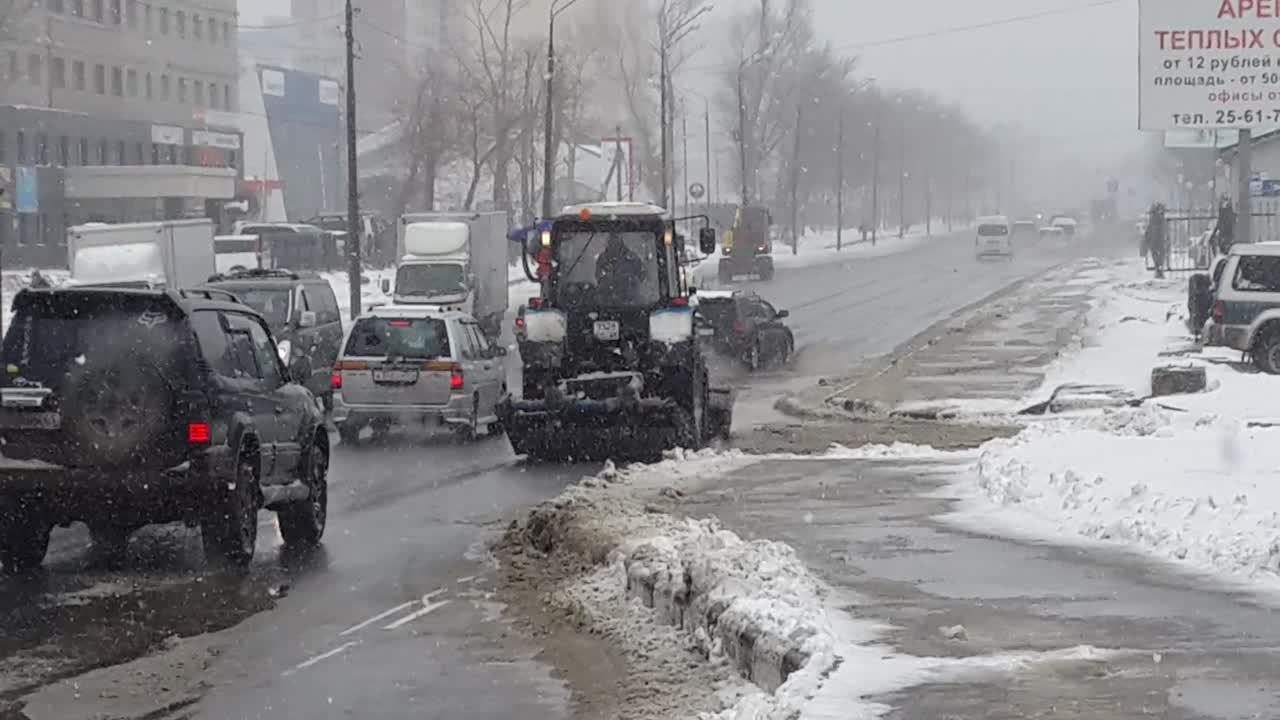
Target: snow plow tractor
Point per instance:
(746, 248)
(611, 365)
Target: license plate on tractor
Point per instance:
(398, 377)
(607, 330)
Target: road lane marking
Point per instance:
(321, 657)
(428, 607)
(380, 616)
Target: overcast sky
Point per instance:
(1069, 75)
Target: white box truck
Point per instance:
(454, 260)
(168, 253)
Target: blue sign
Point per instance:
(1270, 188)
(26, 191)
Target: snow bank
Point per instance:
(748, 605)
(1191, 479)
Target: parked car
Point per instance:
(303, 315)
(742, 325)
(152, 406)
(1024, 229)
(1052, 232)
(993, 237)
(420, 365)
(1246, 308)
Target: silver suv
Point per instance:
(417, 365)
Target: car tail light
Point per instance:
(1219, 311)
(198, 433)
(739, 327)
(335, 381)
(761, 248)
(535, 303)
(519, 322)
(400, 323)
(455, 378)
(679, 302)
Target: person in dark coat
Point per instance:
(619, 271)
(1224, 232)
(1157, 239)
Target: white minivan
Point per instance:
(994, 237)
(417, 365)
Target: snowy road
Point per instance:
(394, 617)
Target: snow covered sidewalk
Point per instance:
(1192, 479)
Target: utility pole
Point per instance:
(742, 139)
(902, 184)
(875, 178)
(840, 179)
(548, 147)
(706, 191)
(617, 152)
(795, 181)
(662, 92)
(684, 139)
(353, 174)
(1244, 174)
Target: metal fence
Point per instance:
(1189, 231)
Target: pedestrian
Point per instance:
(1224, 232)
(39, 281)
(1156, 239)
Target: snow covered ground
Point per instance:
(718, 587)
(1192, 479)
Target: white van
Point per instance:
(994, 237)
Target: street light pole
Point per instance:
(840, 179)
(548, 148)
(662, 109)
(706, 191)
(353, 173)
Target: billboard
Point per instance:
(1208, 64)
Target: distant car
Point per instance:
(1052, 232)
(153, 406)
(1066, 222)
(993, 237)
(744, 326)
(423, 365)
(303, 315)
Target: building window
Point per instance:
(102, 152)
(117, 14)
(82, 157)
(131, 82)
(64, 151)
(119, 157)
(139, 155)
(182, 90)
(117, 82)
(213, 31)
(77, 8)
(99, 10)
(100, 79)
(197, 26)
(150, 87)
(213, 95)
(226, 33)
(131, 13)
(180, 20)
(58, 73)
(164, 21)
(77, 74)
(42, 149)
(199, 92)
(226, 98)
(35, 69)
(164, 87)
(21, 147)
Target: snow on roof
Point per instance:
(410, 311)
(715, 294)
(1270, 248)
(615, 208)
(993, 220)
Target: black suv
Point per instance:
(122, 408)
(303, 314)
(744, 326)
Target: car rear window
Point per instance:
(1257, 273)
(719, 312)
(418, 338)
(52, 333)
(993, 230)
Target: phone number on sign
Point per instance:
(1228, 118)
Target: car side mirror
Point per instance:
(386, 286)
(307, 319)
(783, 314)
(707, 240)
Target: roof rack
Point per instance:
(209, 294)
(251, 273)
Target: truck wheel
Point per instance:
(24, 536)
(1266, 351)
(230, 531)
(302, 523)
(766, 269)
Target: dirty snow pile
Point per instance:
(749, 607)
(1193, 479)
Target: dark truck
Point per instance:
(611, 364)
(124, 407)
(746, 243)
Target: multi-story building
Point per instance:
(110, 112)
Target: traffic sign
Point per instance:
(696, 191)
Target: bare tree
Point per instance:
(430, 130)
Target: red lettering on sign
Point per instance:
(1227, 10)
(1249, 8)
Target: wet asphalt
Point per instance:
(392, 617)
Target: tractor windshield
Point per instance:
(609, 268)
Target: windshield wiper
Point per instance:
(585, 247)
